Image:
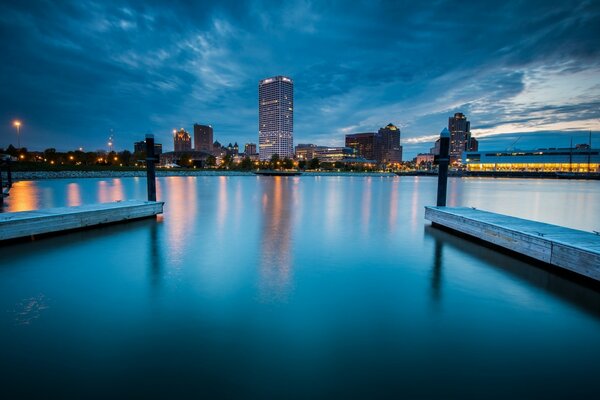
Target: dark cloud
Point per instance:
(75, 70)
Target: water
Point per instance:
(258, 287)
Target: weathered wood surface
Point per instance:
(15, 225)
(575, 250)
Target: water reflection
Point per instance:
(24, 196)
(276, 238)
(579, 292)
(154, 256)
(436, 272)
(73, 195)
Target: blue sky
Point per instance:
(72, 71)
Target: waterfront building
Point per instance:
(391, 151)
(276, 117)
(305, 151)
(424, 160)
(250, 149)
(365, 144)
(382, 146)
(578, 159)
(325, 154)
(460, 137)
(140, 147)
(328, 154)
(182, 141)
(203, 137)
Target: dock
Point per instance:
(569, 249)
(27, 224)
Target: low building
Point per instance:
(140, 147)
(424, 160)
(327, 154)
(305, 151)
(184, 158)
(579, 159)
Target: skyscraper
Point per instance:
(391, 151)
(182, 141)
(203, 138)
(276, 117)
(460, 137)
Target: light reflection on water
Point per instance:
(276, 282)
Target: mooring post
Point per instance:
(150, 172)
(8, 174)
(443, 161)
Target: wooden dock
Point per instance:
(15, 225)
(571, 249)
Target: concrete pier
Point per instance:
(570, 249)
(24, 224)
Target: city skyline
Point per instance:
(518, 68)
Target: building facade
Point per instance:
(250, 149)
(390, 149)
(580, 159)
(382, 146)
(460, 137)
(203, 137)
(182, 141)
(364, 144)
(276, 117)
(325, 154)
(140, 147)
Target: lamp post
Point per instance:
(17, 125)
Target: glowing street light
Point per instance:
(17, 125)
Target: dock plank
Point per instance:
(15, 225)
(571, 249)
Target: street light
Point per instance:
(17, 125)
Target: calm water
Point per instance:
(303, 287)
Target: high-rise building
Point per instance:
(391, 151)
(276, 117)
(365, 144)
(203, 138)
(182, 141)
(382, 146)
(460, 137)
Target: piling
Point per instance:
(150, 169)
(443, 160)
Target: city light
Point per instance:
(17, 124)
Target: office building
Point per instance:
(325, 154)
(382, 146)
(460, 137)
(250, 149)
(182, 141)
(276, 117)
(391, 151)
(305, 151)
(365, 144)
(140, 147)
(203, 138)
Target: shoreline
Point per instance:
(43, 175)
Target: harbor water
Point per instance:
(295, 287)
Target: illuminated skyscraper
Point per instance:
(460, 137)
(182, 141)
(276, 117)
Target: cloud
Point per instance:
(78, 69)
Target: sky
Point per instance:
(526, 73)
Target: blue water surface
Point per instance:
(295, 287)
